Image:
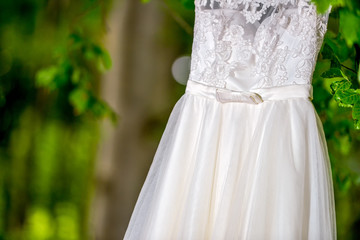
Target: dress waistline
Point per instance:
(253, 96)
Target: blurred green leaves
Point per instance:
(48, 78)
(76, 70)
(350, 25)
(341, 48)
(52, 59)
(336, 86)
(323, 5)
(343, 93)
(188, 4)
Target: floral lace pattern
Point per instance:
(253, 10)
(278, 49)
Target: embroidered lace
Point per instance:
(245, 44)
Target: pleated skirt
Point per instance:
(238, 171)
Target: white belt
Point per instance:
(254, 96)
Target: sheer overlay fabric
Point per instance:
(243, 155)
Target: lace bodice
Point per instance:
(247, 44)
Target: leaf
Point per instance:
(79, 98)
(344, 182)
(106, 59)
(357, 124)
(347, 97)
(328, 53)
(349, 26)
(97, 50)
(340, 85)
(90, 54)
(338, 45)
(189, 4)
(101, 109)
(333, 73)
(46, 76)
(356, 111)
(76, 76)
(345, 105)
(322, 5)
(76, 40)
(76, 37)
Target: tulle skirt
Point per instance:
(238, 171)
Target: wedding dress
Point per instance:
(243, 155)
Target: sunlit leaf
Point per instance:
(349, 96)
(356, 111)
(340, 85)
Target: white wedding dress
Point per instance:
(243, 155)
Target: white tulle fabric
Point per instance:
(243, 155)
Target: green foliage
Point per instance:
(52, 60)
(342, 50)
(336, 81)
(343, 93)
(323, 5)
(74, 71)
(55, 187)
(189, 4)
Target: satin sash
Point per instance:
(253, 96)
